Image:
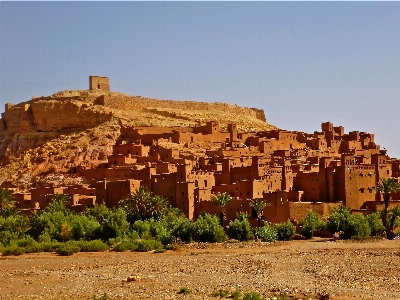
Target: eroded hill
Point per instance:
(41, 139)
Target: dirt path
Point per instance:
(302, 269)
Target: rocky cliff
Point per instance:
(49, 135)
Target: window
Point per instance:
(205, 183)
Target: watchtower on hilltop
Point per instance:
(99, 83)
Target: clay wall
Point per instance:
(298, 210)
(43, 196)
(308, 182)
(273, 179)
(230, 189)
(119, 160)
(114, 174)
(185, 198)
(165, 185)
(166, 154)
(93, 174)
(202, 180)
(80, 190)
(22, 200)
(351, 145)
(356, 183)
(165, 167)
(118, 190)
(131, 149)
(278, 209)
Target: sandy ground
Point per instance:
(316, 269)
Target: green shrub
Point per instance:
(184, 290)
(102, 297)
(13, 249)
(12, 227)
(341, 219)
(51, 246)
(161, 250)
(169, 247)
(148, 245)
(207, 229)
(114, 225)
(125, 246)
(181, 228)
(253, 296)
(68, 248)
(361, 227)
(30, 245)
(267, 233)
(236, 295)
(240, 229)
(220, 293)
(285, 231)
(311, 223)
(93, 246)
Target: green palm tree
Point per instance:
(258, 206)
(142, 205)
(386, 186)
(221, 200)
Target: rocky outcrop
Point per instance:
(52, 115)
(53, 134)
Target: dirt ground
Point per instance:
(316, 269)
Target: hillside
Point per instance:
(41, 139)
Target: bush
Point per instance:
(375, 223)
(267, 233)
(93, 246)
(30, 245)
(125, 246)
(102, 297)
(341, 219)
(114, 225)
(240, 229)
(69, 248)
(311, 223)
(184, 290)
(12, 227)
(285, 231)
(13, 250)
(220, 293)
(181, 228)
(361, 227)
(148, 245)
(51, 246)
(207, 229)
(253, 296)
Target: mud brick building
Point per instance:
(293, 171)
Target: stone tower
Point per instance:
(99, 83)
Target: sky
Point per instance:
(302, 62)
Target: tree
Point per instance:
(258, 206)
(142, 205)
(386, 186)
(7, 204)
(221, 200)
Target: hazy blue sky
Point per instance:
(303, 63)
